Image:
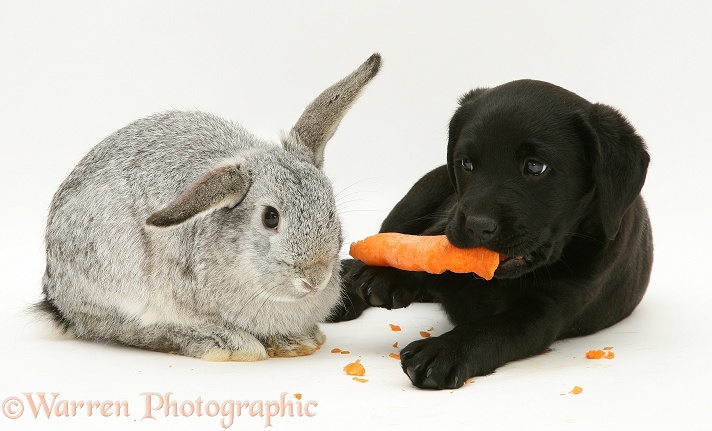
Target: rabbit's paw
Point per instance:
(220, 355)
(318, 336)
(291, 346)
(234, 347)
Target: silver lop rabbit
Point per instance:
(184, 233)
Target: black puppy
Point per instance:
(552, 183)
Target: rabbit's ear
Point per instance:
(321, 118)
(221, 187)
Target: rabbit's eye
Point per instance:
(270, 218)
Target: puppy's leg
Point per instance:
(422, 211)
(479, 347)
(365, 286)
(351, 303)
(391, 288)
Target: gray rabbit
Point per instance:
(184, 233)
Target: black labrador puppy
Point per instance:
(551, 182)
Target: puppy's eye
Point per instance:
(535, 167)
(270, 218)
(466, 164)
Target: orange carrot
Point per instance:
(355, 368)
(433, 254)
(595, 354)
(394, 356)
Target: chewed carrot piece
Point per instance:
(610, 355)
(355, 368)
(335, 350)
(424, 334)
(576, 390)
(394, 356)
(595, 354)
(360, 380)
(298, 396)
(394, 328)
(433, 254)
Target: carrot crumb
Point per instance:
(345, 352)
(395, 345)
(424, 334)
(395, 328)
(431, 328)
(355, 368)
(395, 356)
(335, 350)
(576, 390)
(595, 354)
(608, 348)
(298, 396)
(610, 355)
(360, 380)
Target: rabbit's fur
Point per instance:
(156, 239)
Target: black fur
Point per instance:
(580, 229)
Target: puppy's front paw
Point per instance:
(351, 303)
(388, 287)
(350, 306)
(435, 363)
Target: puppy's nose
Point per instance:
(481, 227)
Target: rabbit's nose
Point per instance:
(314, 276)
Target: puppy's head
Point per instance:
(531, 164)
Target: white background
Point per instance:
(72, 72)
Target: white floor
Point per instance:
(74, 71)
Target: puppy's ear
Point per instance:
(471, 95)
(619, 161)
(458, 120)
